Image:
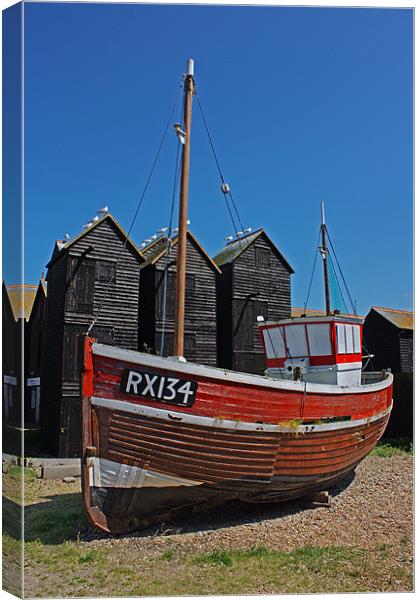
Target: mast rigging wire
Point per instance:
(335, 281)
(136, 213)
(341, 273)
(220, 171)
(313, 271)
(239, 240)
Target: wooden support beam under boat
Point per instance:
(324, 498)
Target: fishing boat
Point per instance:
(163, 436)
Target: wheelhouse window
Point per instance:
(274, 342)
(296, 342)
(348, 338)
(319, 338)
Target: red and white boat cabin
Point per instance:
(314, 349)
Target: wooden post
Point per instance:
(183, 214)
(324, 253)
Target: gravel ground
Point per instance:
(373, 506)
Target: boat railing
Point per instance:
(369, 377)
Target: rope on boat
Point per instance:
(94, 320)
(302, 402)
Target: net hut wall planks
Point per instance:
(78, 281)
(200, 313)
(34, 353)
(255, 280)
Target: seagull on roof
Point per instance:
(103, 211)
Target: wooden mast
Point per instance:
(183, 214)
(324, 254)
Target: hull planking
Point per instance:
(161, 437)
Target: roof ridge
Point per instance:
(396, 310)
(106, 216)
(239, 239)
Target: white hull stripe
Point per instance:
(108, 473)
(195, 370)
(220, 423)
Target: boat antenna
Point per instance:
(183, 213)
(324, 254)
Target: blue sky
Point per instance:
(304, 105)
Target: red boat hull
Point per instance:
(244, 437)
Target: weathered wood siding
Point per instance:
(88, 281)
(200, 306)
(381, 338)
(393, 349)
(258, 283)
(51, 376)
(225, 318)
(401, 422)
(11, 358)
(406, 351)
(80, 286)
(35, 347)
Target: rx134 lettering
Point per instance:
(159, 387)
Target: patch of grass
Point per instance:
(55, 521)
(393, 447)
(258, 551)
(13, 480)
(311, 556)
(218, 557)
(89, 557)
(116, 570)
(66, 556)
(57, 567)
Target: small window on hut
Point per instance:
(262, 257)
(105, 271)
(170, 294)
(190, 284)
(81, 286)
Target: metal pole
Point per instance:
(324, 254)
(183, 214)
